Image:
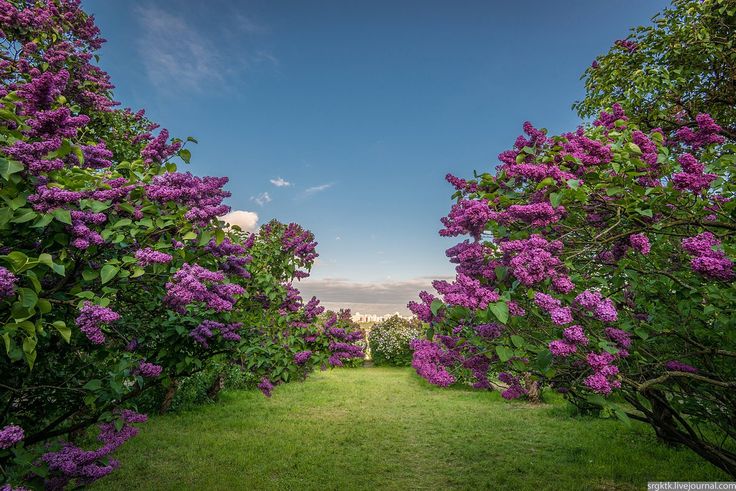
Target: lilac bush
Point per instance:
(599, 263)
(118, 279)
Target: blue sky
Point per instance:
(361, 107)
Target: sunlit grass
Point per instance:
(384, 428)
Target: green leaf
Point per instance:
(501, 311)
(190, 236)
(62, 215)
(28, 298)
(504, 353)
(9, 167)
(122, 223)
(555, 199)
(633, 147)
(219, 236)
(517, 340)
(94, 384)
(108, 272)
(25, 216)
(573, 183)
(65, 332)
(17, 260)
(44, 306)
(185, 155)
(436, 306)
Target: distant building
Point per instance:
(358, 317)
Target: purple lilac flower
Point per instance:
(640, 243)
(575, 334)
(7, 282)
(301, 357)
(10, 435)
(91, 319)
(265, 386)
(149, 370)
(709, 260)
(678, 366)
(150, 256)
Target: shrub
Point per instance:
(599, 263)
(118, 281)
(389, 340)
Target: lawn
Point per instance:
(384, 428)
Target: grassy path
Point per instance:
(384, 428)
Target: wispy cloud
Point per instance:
(261, 199)
(280, 182)
(246, 220)
(317, 189)
(178, 55)
(368, 298)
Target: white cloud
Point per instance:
(178, 54)
(246, 220)
(280, 183)
(261, 199)
(368, 298)
(317, 189)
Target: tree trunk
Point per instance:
(533, 391)
(169, 397)
(217, 385)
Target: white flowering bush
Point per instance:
(389, 340)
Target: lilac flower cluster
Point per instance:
(608, 120)
(7, 283)
(430, 361)
(514, 389)
(91, 319)
(72, 463)
(560, 315)
(341, 342)
(299, 242)
(573, 337)
(301, 357)
(640, 243)
(423, 310)
(149, 370)
(466, 292)
(489, 331)
(202, 195)
(158, 150)
(33, 155)
(536, 214)
(678, 366)
(602, 309)
(709, 260)
(85, 237)
(586, 151)
(10, 435)
(627, 45)
(193, 283)
(533, 260)
(621, 338)
(604, 378)
(470, 258)
(205, 331)
(692, 178)
(461, 184)
(148, 256)
(467, 217)
(265, 386)
(708, 133)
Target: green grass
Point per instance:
(384, 428)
